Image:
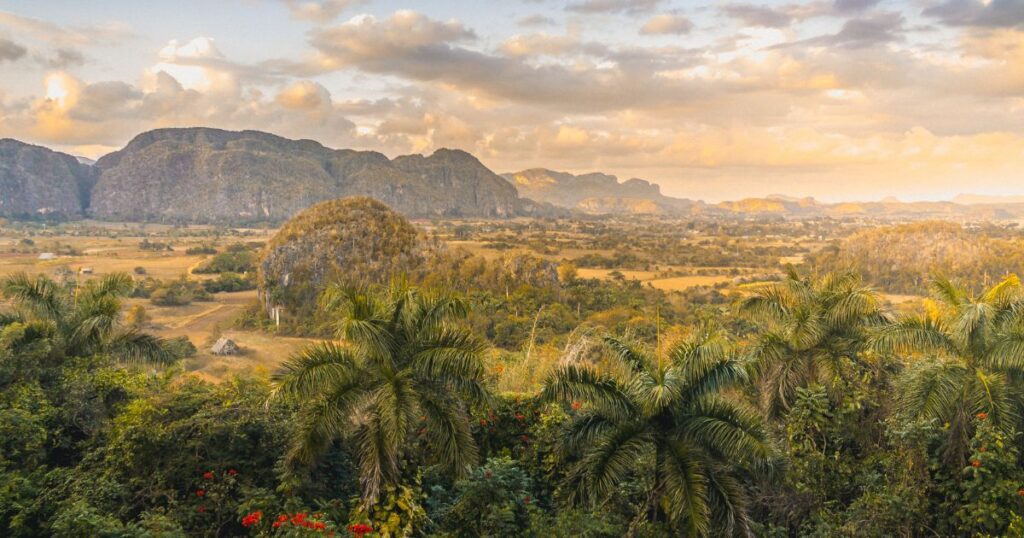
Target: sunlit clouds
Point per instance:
(844, 99)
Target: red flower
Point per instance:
(975, 463)
(252, 519)
(483, 422)
(359, 529)
(201, 509)
(208, 475)
(520, 417)
(576, 406)
(232, 472)
(277, 525)
(1020, 492)
(982, 416)
(983, 449)
(200, 492)
(282, 518)
(319, 525)
(527, 499)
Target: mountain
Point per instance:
(788, 207)
(598, 193)
(35, 181)
(977, 199)
(201, 174)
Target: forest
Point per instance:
(803, 407)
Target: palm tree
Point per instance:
(403, 370)
(84, 320)
(666, 418)
(972, 355)
(813, 331)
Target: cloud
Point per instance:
(985, 13)
(667, 23)
(535, 20)
(11, 51)
(63, 58)
(758, 15)
(845, 6)
(539, 44)
(73, 112)
(322, 11)
(613, 6)
(414, 47)
(859, 33)
(113, 33)
(366, 41)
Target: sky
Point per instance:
(836, 99)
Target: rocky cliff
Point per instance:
(38, 182)
(200, 175)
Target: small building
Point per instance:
(47, 256)
(85, 271)
(225, 346)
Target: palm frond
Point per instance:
(948, 292)
(686, 489)
(933, 390)
(913, 334)
(40, 295)
(725, 428)
(581, 383)
(609, 460)
(136, 347)
(629, 352)
(318, 369)
(447, 431)
(450, 352)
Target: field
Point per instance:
(96, 249)
(716, 256)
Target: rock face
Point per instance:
(35, 181)
(201, 174)
(598, 193)
(357, 239)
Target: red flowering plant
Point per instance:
(508, 425)
(301, 523)
(213, 498)
(993, 482)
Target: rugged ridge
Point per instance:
(36, 181)
(598, 193)
(201, 174)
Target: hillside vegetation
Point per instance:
(903, 258)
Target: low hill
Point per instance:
(355, 240)
(903, 258)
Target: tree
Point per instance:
(972, 348)
(666, 418)
(813, 332)
(404, 371)
(83, 322)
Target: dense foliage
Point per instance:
(803, 408)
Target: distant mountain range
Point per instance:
(598, 193)
(211, 175)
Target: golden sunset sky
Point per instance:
(837, 99)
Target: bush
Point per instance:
(231, 261)
(230, 282)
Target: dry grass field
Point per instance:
(202, 322)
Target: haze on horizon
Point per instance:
(836, 99)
